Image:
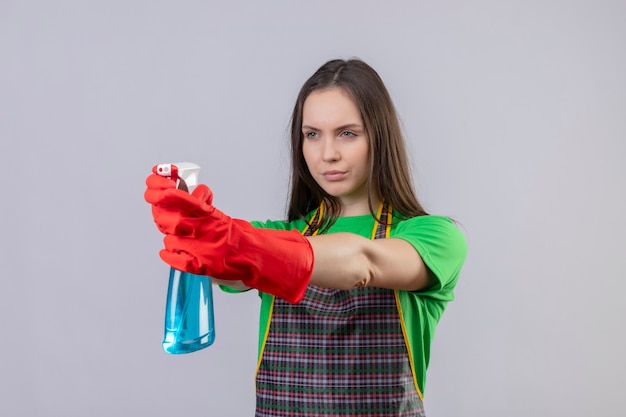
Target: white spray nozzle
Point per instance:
(164, 170)
(187, 171)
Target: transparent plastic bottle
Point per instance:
(189, 322)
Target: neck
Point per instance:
(357, 207)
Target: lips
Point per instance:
(334, 175)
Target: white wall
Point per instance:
(516, 117)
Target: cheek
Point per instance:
(361, 156)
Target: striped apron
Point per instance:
(337, 353)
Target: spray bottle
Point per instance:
(189, 322)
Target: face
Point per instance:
(336, 148)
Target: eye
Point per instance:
(347, 133)
(311, 135)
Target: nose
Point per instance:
(330, 153)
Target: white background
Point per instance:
(515, 113)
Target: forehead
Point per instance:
(330, 106)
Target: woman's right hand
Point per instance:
(175, 211)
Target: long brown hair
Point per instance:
(389, 173)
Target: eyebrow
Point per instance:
(348, 126)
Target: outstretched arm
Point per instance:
(346, 260)
(343, 260)
(202, 240)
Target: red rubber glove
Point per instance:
(202, 240)
(176, 211)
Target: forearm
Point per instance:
(340, 261)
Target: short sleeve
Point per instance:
(443, 249)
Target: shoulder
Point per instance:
(440, 243)
(430, 227)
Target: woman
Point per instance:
(354, 282)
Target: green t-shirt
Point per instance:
(443, 249)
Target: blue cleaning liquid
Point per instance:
(189, 322)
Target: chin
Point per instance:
(337, 192)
